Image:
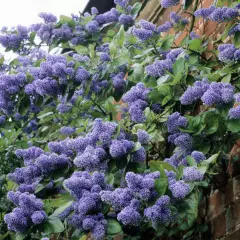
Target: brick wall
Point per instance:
(153, 12)
(222, 211)
(221, 208)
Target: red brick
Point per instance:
(180, 38)
(216, 204)
(219, 226)
(229, 194)
(236, 214)
(234, 235)
(210, 27)
(236, 188)
(206, 3)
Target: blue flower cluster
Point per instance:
(198, 156)
(179, 189)
(29, 155)
(182, 140)
(234, 113)
(13, 39)
(210, 93)
(127, 201)
(49, 31)
(119, 83)
(234, 29)
(143, 136)
(192, 174)
(165, 27)
(169, 3)
(2, 120)
(175, 121)
(68, 131)
(228, 53)
(177, 19)
(136, 98)
(10, 85)
(161, 67)
(159, 213)
(37, 166)
(217, 14)
(195, 92)
(146, 30)
(87, 209)
(29, 212)
(193, 35)
(44, 82)
(156, 108)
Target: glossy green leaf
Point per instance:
(161, 185)
(113, 227)
(53, 225)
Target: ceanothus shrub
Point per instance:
(116, 130)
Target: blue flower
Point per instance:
(169, 3)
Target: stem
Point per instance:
(193, 17)
(237, 88)
(103, 112)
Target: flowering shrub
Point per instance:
(114, 131)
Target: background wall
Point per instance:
(153, 12)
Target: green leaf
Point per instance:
(195, 44)
(113, 227)
(78, 235)
(237, 39)
(53, 225)
(110, 178)
(188, 234)
(137, 146)
(155, 165)
(61, 209)
(21, 236)
(120, 36)
(113, 48)
(178, 67)
(121, 162)
(202, 169)
(167, 43)
(162, 79)
(210, 160)
(118, 61)
(191, 161)
(154, 95)
(161, 185)
(168, 167)
(136, 8)
(24, 105)
(40, 187)
(212, 122)
(180, 172)
(32, 37)
(233, 125)
(227, 78)
(81, 49)
(202, 184)
(187, 4)
(67, 20)
(138, 73)
(45, 115)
